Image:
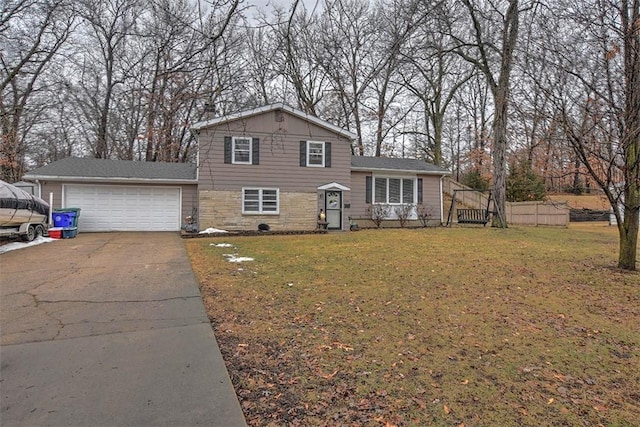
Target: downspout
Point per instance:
(197, 201)
(198, 161)
(441, 200)
(50, 209)
(50, 219)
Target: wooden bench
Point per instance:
(473, 216)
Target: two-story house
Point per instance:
(280, 166)
(271, 165)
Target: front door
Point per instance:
(333, 205)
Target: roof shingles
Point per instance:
(74, 167)
(396, 164)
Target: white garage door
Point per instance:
(124, 207)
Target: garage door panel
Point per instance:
(125, 208)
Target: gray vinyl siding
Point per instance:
(358, 194)
(430, 193)
(279, 165)
(47, 187)
(189, 200)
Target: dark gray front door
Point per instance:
(333, 205)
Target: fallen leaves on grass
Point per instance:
(541, 337)
(327, 376)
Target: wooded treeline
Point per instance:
(477, 86)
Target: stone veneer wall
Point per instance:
(223, 209)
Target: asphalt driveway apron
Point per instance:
(108, 329)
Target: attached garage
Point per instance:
(118, 195)
(125, 207)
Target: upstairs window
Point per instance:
(315, 154)
(242, 150)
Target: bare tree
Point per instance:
(434, 76)
(297, 32)
(144, 71)
(183, 44)
(348, 59)
(399, 21)
(104, 65)
(31, 33)
(494, 58)
(264, 63)
(597, 97)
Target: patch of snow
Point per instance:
(213, 230)
(19, 245)
(222, 245)
(240, 259)
(233, 258)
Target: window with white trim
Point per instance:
(260, 201)
(315, 153)
(395, 191)
(241, 149)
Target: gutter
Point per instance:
(400, 171)
(87, 179)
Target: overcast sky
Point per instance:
(267, 5)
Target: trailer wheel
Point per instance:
(30, 235)
(39, 231)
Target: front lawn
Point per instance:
(451, 327)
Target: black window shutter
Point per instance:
(255, 151)
(303, 153)
(327, 154)
(227, 149)
(419, 191)
(367, 197)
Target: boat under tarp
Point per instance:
(19, 207)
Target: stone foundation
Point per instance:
(223, 209)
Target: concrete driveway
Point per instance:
(108, 329)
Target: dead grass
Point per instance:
(473, 327)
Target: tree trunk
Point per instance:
(102, 145)
(629, 231)
(498, 153)
(438, 118)
(102, 150)
(501, 103)
(11, 163)
(577, 187)
(630, 14)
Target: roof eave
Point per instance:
(265, 109)
(233, 116)
(416, 171)
(334, 186)
(97, 179)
